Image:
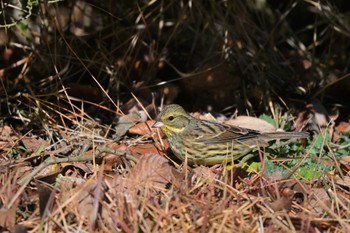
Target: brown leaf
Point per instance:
(320, 195)
(45, 193)
(127, 121)
(75, 169)
(137, 151)
(7, 54)
(47, 171)
(277, 175)
(142, 128)
(7, 137)
(207, 116)
(281, 203)
(143, 149)
(8, 217)
(251, 123)
(84, 197)
(111, 160)
(343, 182)
(152, 172)
(5, 131)
(205, 174)
(345, 164)
(307, 64)
(6, 144)
(33, 143)
(343, 127)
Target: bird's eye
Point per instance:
(171, 118)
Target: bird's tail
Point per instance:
(283, 135)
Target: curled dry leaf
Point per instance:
(127, 121)
(207, 117)
(142, 128)
(113, 159)
(251, 123)
(240, 121)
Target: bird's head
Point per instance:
(173, 119)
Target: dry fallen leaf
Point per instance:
(205, 174)
(152, 171)
(8, 217)
(251, 123)
(7, 137)
(142, 128)
(139, 150)
(45, 194)
(343, 128)
(34, 143)
(207, 116)
(282, 203)
(127, 121)
(5, 131)
(345, 164)
(319, 195)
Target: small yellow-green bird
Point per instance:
(208, 143)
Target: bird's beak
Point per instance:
(158, 124)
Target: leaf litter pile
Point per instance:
(82, 83)
(88, 183)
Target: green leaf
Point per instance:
(268, 119)
(40, 149)
(308, 173)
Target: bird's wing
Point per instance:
(212, 132)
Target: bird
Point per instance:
(203, 142)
